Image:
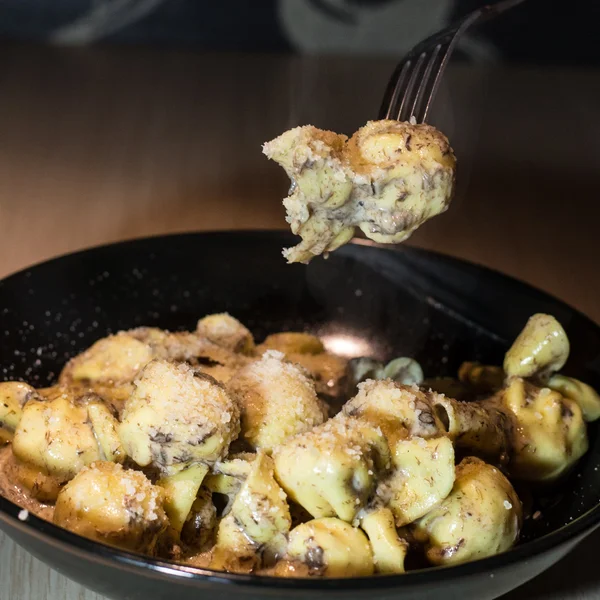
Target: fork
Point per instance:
(415, 80)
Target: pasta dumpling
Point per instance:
(583, 394)
(422, 476)
(327, 370)
(177, 417)
(389, 549)
(228, 475)
(535, 433)
(332, 548)
(332, 469)
(400, 411)
(540, 349)
(388, 433)
(293, 342)
(484, 428)
(387, 180)
(226, 331)
(259, 518)
(277, 401)
(13, 396)
(178, 421)
(422, 457)
(550, 435)
(113, 505)
(482, 516)
(111, 360)
(59, 437)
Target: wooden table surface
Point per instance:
(102, 145)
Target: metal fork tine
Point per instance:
(415, 108)
(397, 91)
(415, 78)
(434, 83)
(430, 84)
(445, 41)
(411, 90)
(396, 87)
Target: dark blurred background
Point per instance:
(539, 32)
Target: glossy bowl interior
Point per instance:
(363, 300)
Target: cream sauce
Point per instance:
(11, 490)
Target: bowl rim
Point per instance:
(34, 526)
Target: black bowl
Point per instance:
(388, 302)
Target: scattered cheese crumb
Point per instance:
(23, 515)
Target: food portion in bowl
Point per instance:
(207, 448)
(387, 179)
